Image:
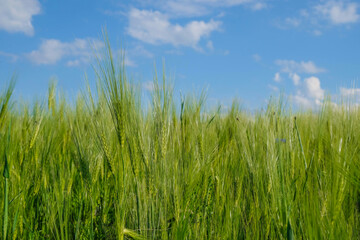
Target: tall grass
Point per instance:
(110, 168)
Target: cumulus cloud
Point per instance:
(155, 28)
(295, 78)
(313, 88)
(309, 91)
(302, 100)
(50, 52)
(339, 12)
(16, 15)
(76, 52)
(310, 94)
(277, 77)
(291, 66)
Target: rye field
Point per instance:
(108, 167)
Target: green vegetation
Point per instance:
(109, 168)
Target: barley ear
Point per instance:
(6, 196)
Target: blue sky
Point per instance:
(245, 49)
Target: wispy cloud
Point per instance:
(338, 12)
(321, 16)
(256, 57)
(317, 32)
(273, 88)
(129, 62)
(174, 52)
(139, 50)
(16, 15)
(258, 6)
(350, 92)
(155, 28)
(186, 9)
(291, 66)
(10, 56)
(293, 22)
(193, 8)
(76, 52)
(148, 85)
(210, 45)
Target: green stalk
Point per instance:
(6, 194)
(301, 146)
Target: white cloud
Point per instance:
(16, 15)
(339, 12)
(350, 92)
(294, 22)
(313, 88)
(320, 16)
(295, 78)
(126, 57)
(201, 7)
(77, 52)
(155, 28)
(258, 6)
(139, 50)
(193, 8)
(216, 3)
(291, 66)
(277, 77)
(304, 13)
(317, 32)
(210, 45)
(226, 52)
(309, 94)
(73, 63)
(174, 52)
(225, 2)
(302, 101)
(256, 57)
(288, 23)
(10, 56)
(50, 52)
(129, 62)
(185, 9)
(149, 86)
(273, 88)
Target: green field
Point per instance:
(109, 167)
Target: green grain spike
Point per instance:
(6, 196)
